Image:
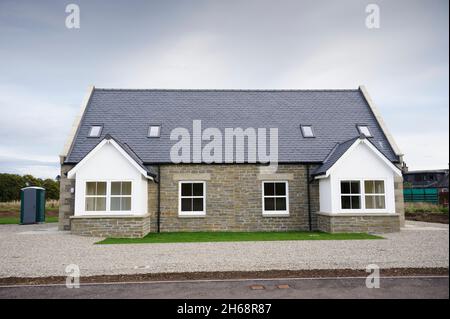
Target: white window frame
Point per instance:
(375, 194)
(108, 197)
(121, 196)
(191, 213)
(275, 213)
(86, 196)
(362, 195)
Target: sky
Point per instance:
(46, 68)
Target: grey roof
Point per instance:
(337, 152)
(127, 114)
(149, 169)
(334, 156)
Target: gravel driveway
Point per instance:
(41, 250)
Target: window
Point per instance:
(375, 194)
(364, 129)
(154, 131)
(307, 131)
(120, 196)
(350, 195)
(95, 196)
(275, 198)
(95, 131)
(108, 196)
(192, 198)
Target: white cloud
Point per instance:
(190, 61)
(425, 150)
(40, 171)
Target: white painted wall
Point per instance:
(107, 165)
(325, 195)
(359, 163)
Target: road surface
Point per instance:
(390, 287)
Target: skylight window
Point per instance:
(95, 131)
(154, 131)
(364, 129)
(307, 131)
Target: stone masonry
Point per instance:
(399, 200)
(233, 198)
(358, 223)
(118, 226)
(233, 203)
(66, 198)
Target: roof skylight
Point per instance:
(364, 129)
(307, 131)
(154, 131)
(95, 131)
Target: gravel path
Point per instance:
(41, 250)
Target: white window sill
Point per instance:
(191, 215)
(358, 213)
(84, 216)
(275, 214)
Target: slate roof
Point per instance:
(334, 156)
(127, 114)
(149, 169)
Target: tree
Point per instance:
(11, 184)
(51, 188)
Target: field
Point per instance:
(10, 212)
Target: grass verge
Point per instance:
(196, 237)
(16, 220)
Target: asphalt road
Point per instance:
(398, 287)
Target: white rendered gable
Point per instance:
(361, 162)
(109, 164)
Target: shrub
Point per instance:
(411, 208)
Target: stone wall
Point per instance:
(66, 198)
(399, 200)
(358, 223)
(233, 198)
(117, 227)
(153, 205)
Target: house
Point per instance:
(429, 186)
(426, 178)
(333, 165)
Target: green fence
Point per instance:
(425, 195)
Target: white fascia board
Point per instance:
(396, 170)
(73, 171)
(380, 155)
(77, 121)
(380, 120)
(342, 158)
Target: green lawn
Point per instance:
(15, 220)
(153, 238)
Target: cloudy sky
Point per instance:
(45, 68)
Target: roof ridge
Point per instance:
(225, 90)
(350, 139)
(331, 152)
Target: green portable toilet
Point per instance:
(32, 205)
